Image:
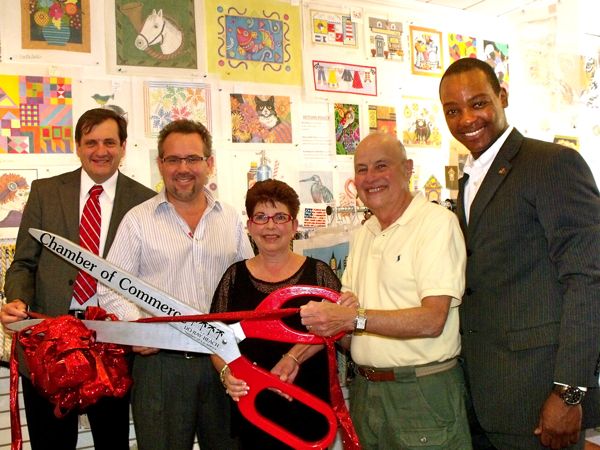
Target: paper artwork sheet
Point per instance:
(385, 39)
(331, 76)
(332, 29)
(496, 55)
(35, 114)
(383, 119)
(15, 185)
(426, 51)
(461, 46)
(347, 128)
(261, 118)
(421, 118)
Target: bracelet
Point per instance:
(222, 374)
(291, 356)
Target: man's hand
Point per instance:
(560, 424)
(328, 319)
(144, 351)
(13, 312)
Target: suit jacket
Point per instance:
(40, 278)
(531, 313)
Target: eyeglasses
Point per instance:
(193, 160)
(278, 218)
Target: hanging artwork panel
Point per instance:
(385, 39)
(261, 118)
(332, 29)
(426, 54)
(421, 118)
(168, 101)
(344, 78)
(382, 118)
(461, 46)
(496, 55)
(56, 25)
(35, 114)
(347, 128)
(15, 185)
(255, 40)
(155, 33)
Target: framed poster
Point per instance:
(332, 29)
(15, 185)
(331, 76)
(461, 46)
(261, 118)
(385, 39)
(56, 25)
(426, 56)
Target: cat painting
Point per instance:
(261, 118)
(265, 109)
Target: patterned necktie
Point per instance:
(89, 238)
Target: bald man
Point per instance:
(406, 266)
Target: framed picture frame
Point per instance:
(56, 26)
(426, 51)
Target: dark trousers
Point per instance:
(109, 421)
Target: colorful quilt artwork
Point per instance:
(383, 119)
(347, 129)
(496, 55)
(35, 114)
(421, 123)
(168, 101)
(426, 56)
(385, 39)
(56, 25)
(255, 41)
(155, 33)
(461, 46)
(332, 29)
(258, 118)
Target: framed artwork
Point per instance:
(36, 114)
(567, 141)
(385, 39)
(496, 55)
(461, 46)
(420, 122)
(332, 29)
(257, 42)
(56, 25)
(167, 101)
(426, 56)
(382, 118)
(345, 78)
(261, 118)
(347, 128)
(154, 33)
(316, 186)
(15, 185)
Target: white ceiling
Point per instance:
(496, 8)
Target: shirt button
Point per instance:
(423, 440)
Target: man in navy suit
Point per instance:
(530, 317)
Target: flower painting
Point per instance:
(260, 118)
(56, 25)
(169, 101)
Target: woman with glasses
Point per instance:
(272, 207)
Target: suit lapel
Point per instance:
(460, 203)
(68, 194)
(498, 172)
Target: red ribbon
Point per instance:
(68, 366)
(349, 437)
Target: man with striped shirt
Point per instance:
(181, 241)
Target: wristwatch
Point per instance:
(360, 321)
(571, 395)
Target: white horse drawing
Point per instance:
(158, 30)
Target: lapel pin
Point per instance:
(502, 171)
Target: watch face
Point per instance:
(361, 323)
(572, 395)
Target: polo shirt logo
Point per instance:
(398, 258)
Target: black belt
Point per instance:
(186, 355)
(77, 313)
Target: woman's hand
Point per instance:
(234, 387)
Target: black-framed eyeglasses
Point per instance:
(189, 160)
(277, 218)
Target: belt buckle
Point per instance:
(368, 372)
(77, 313)
(188, 355)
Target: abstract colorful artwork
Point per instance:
(260, 118)
(347, 129)
(382, 118)
(426, 56)
(347, 78)
(461, 46)
(567, 141)
(496, 55)
(332, 29)
(35, 114)
(385, 39)
(56, 25)
(155, 33)
(420, 122)
(257, 42)
(15, 185)
(168, 101)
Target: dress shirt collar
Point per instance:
(211, 202)
(109, 186)
(411, 210)
(477, 167)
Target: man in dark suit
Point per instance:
(530, 318)
(39, 281)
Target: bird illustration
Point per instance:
(319, 192)
(102, 99)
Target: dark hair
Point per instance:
(271, 191)
(466, 65)
(96, 116)
(185, 126)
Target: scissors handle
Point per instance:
(277, 330)
(260, 380)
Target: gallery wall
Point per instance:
(330, 73)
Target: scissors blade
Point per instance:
(158, 335)
(215, 336)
